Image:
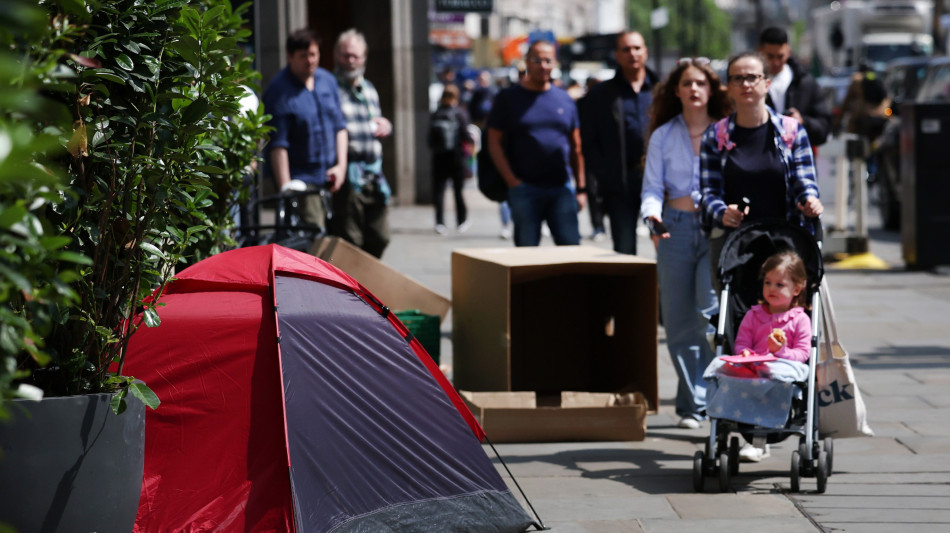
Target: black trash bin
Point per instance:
(925, 191)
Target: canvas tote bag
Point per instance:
(841, 411)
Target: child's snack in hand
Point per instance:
(778, 336)
(776, 340)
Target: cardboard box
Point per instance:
(398, 291)
(524, 417)
(552, 319)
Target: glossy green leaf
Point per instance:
(211, 169)
(118, 402)
(145, 394)
(73, 257)
(151, 317)
(109, 77)
(149, 247)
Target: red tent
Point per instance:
(293, 400)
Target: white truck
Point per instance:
(849, 33)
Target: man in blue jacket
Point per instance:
(308, 147)
(613, 134)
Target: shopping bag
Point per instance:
(841, 411)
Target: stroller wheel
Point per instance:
(734, 455)
(829, 447)
(795, 471)
(822, 473)
(725, 477)
(698, 459)
(803, 452)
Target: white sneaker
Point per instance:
(464, 226)
(505, 233)
(441, 229)
(750, 454)
(688, 422)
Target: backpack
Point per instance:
(490, 182)
(789, 124)
(444, 131)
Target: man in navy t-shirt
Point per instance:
(534, 141)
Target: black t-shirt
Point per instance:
(755, 170)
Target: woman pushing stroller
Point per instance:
(754, 164)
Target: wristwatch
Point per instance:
(581, 190)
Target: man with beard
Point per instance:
(613, 129)
(360, 207)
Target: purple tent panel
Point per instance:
(374, 443)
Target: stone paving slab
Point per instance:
(888, 527)
(878, 400)
(607, 507)
(705, 506)
(770, 525)
(886, 429)
(926, 445)
(844, 482)
(902, 382)
(924, 422)
(596, 526)
(855, 489)
(897, 516)
(897, 500)
(874, 447)
(892, 462)
(633, 485)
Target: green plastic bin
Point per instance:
(425, 328)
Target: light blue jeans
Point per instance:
(531, 205)
(687, 300)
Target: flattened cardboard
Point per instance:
(580, 416)
(395, 289)
(552, 319)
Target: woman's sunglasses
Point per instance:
(698, 61)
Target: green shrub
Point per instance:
(144, 97)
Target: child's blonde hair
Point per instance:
(790, 263)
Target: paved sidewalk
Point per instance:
(895, 324)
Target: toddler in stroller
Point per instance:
(766, 393)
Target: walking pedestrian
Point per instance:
(755, 164)
(534, 141)
(307, 149)
(361, 206)
(684, 106)
(448, 135)
(614, 137)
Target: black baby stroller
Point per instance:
(743, 253)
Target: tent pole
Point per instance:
(540, 523)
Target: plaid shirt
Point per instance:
(360, 104)
(798, 162)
